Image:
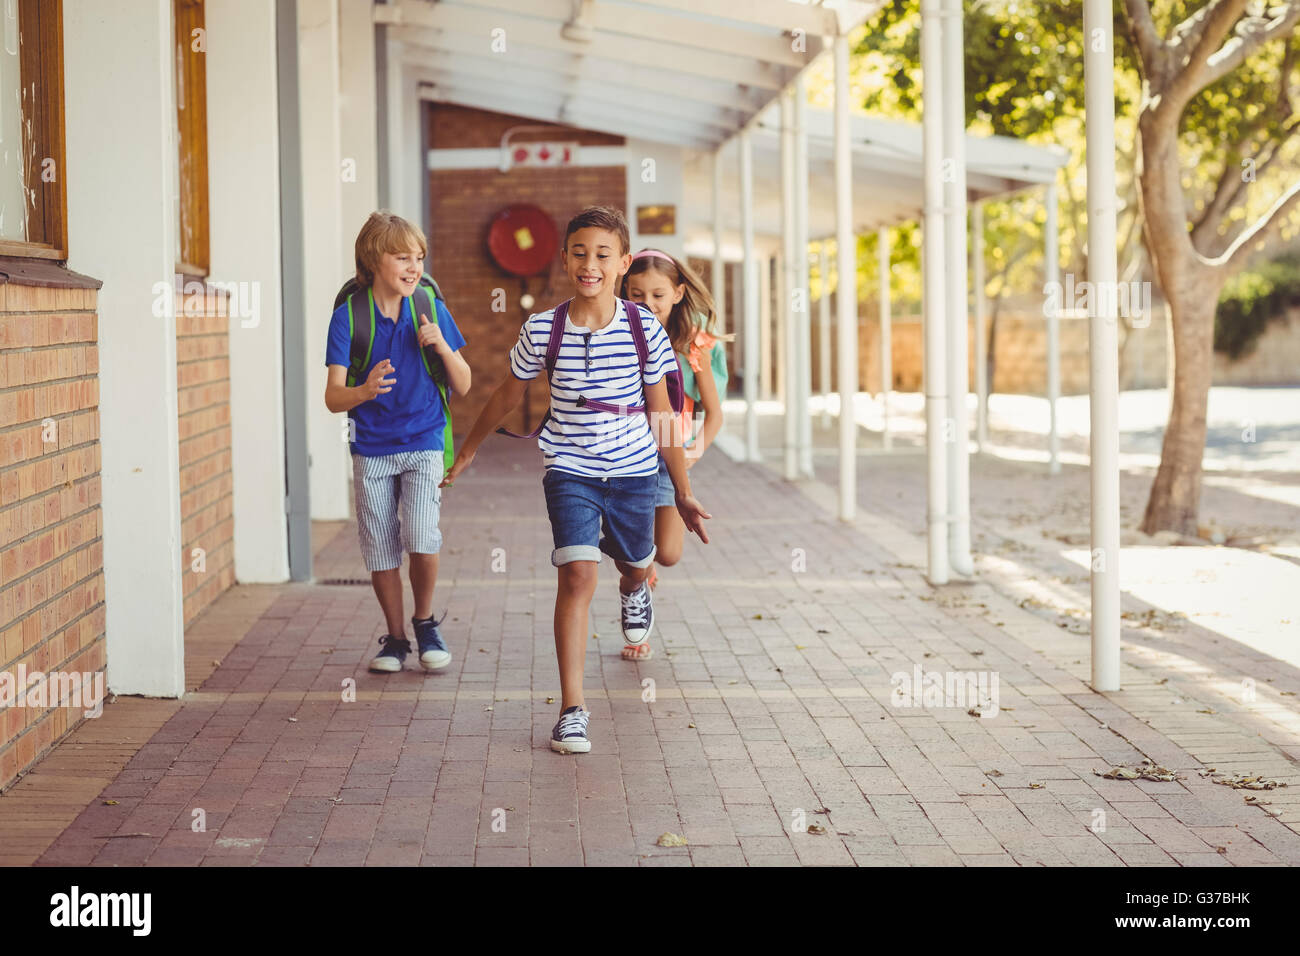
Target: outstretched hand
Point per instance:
(693, 515)
(460, 464)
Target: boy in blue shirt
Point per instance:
(601, 467)
(398, 418)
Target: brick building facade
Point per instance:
(462, 203)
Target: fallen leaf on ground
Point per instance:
(1243, 782)
(671, 839)
(816, 828)
(993, 773)
(1146, 770)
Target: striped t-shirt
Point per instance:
(602, 365)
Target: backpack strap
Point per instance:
(643, 356)
(431, 358)
(557, 337)
(361, 330)
(553, 344)
(638, 332)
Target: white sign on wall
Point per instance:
(539, 154)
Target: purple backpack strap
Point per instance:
(638, 332)
(552, 356)
(642, 353)
(557, 337)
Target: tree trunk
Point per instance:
(1176, 493)
(1191, 287)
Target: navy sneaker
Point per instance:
(434, 655)
(570, 733)
(390, 659)
(638, 622)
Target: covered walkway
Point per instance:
(771, 709)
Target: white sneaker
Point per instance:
(570, 733)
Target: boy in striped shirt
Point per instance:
(601, 467)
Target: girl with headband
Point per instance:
(679, 300)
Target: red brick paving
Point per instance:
(771, 709)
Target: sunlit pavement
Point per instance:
(771, 726)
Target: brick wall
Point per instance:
(51, 550)
(462, 204)
(203, 421)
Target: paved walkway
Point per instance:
(762, 733)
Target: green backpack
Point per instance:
(361, 304)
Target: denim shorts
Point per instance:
(665, 493)
(593, 515)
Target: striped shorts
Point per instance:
(389, 487)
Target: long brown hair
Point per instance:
(696, 311)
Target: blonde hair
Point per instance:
(695, 313)
(385, 232)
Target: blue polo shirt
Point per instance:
(410, 417)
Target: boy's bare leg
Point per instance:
(669, 532)
(576, 587)
(424, 575)
(388, 588)
(631, 577)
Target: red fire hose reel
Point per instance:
(523, 240)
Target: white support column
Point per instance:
(886, 337)
(766, 373)
(981, 337)
(955, 260)
(359, 126)
(718, 274)
(1052, 277)
(824, 332)
(749, 266)
(244, 239)
(788, 343)
(846, 298)
(935, 379)
(803, 311)
(1103, 341)
(122, 229)
(324, 240)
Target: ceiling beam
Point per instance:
(720, 123)
(590, 69)
(482, 26)
(551, 109)
(681, 27)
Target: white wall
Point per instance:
(244, 237)
(323, 240)
(409, 160)
(667, 188)
(359, 117)
(120, 122)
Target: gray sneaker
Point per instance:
(570, 733)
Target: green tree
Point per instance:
(1215, 120)
(1206, 157)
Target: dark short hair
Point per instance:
(601, 217)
